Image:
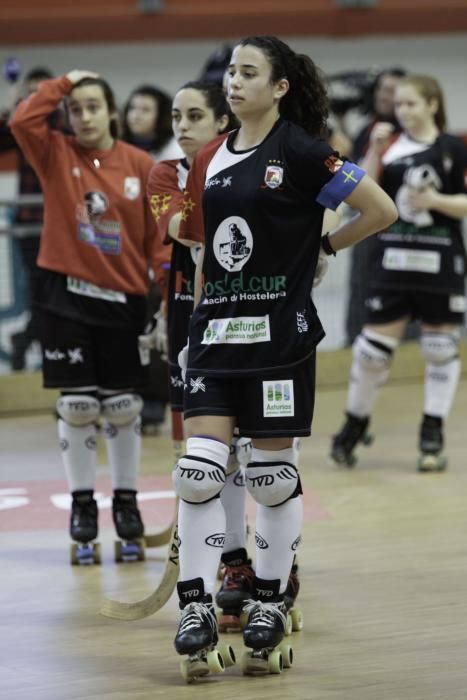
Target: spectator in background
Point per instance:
(383, 110)
(147, 124)
(25, 215)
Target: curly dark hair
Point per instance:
(306, 102)
(163, 131)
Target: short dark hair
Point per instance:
(38, 73)
(163, 128)
(109, 98)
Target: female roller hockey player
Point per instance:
(200, 112)
(255, 198)
(417, 267)
(95, 253)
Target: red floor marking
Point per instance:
(32, 508)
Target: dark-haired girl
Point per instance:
(147, 122)
(200, 112)
(95, 254)
(256, 199)
(417, 267)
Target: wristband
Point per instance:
(326, 245)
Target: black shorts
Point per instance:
(272, 405)
(176, 388)
(77, 354)
(387, 305)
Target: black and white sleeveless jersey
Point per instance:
(260, 213)
(422, 250)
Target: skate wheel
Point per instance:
(288, 625)
(215, 661)
(142, 549)
(275, 662)
(432, 463)
(97, 553)
(297, 619)
(88, 553)
(133, 550)
(227, 654)
(118, 551)
(185, 671)
(287, 655)
(245, 661)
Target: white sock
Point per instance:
(277, 538)
(367, 377)
(78, 445)
(441, 381)
(124, 451)
(201, 528)
(233, 498)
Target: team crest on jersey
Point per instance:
(132, 187)
(233, 243)
(273, 176)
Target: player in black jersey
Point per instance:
(200, 112)
(417, 267)
(254, 330)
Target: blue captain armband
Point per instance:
(340, 186)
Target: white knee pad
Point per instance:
(121, 409)
(272, 482)
(199, 476)
(78, 409)
(439, 348)
(373, 351)
(240, 453)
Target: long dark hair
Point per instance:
(306, 102)
(215, 100)
(163, 127)
(109, 98)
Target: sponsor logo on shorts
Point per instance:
(457, 303)
(197, 385)
(278, 398)
(242, 330)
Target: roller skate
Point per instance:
(353, 431)
(129, 526)
(431, 445)
(235, 590)
(197, 634)
(265, 630)
(294, 616)
(83, 529)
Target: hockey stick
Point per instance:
(118, 610)
(159, 539)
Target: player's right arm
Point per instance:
(29, 122)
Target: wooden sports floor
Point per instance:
(383, 569)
